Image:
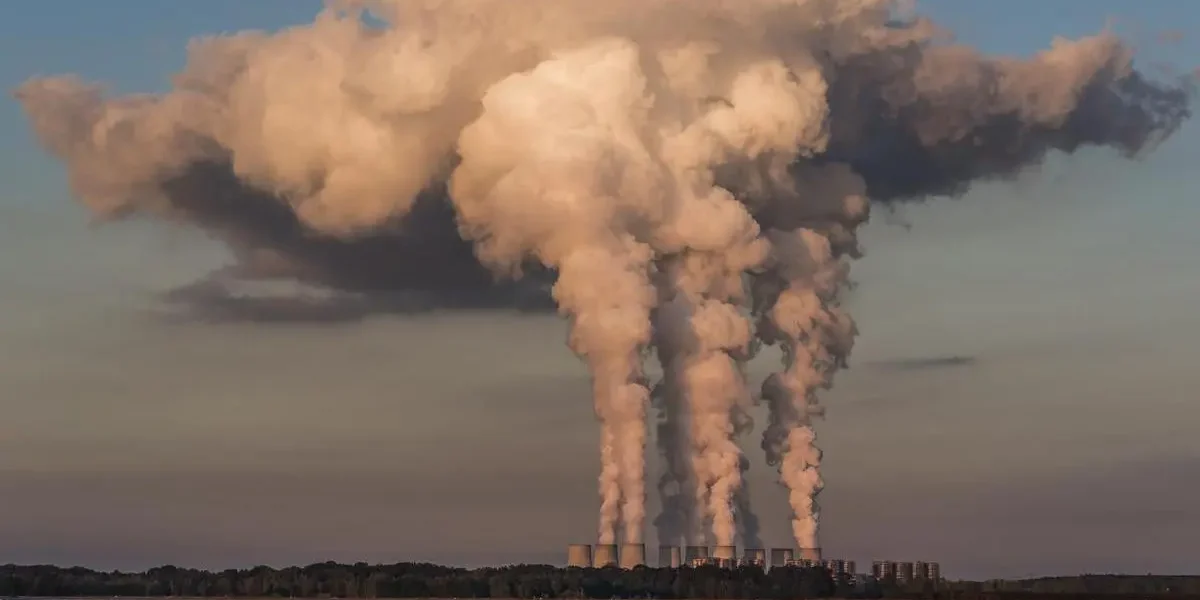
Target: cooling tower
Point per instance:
(755, 556)
(725, 553)
(812, 555)
(633, 555)
(579, 555)
(694, 552)
(670, 556)
(904, 572)
(606, 556)
(780, 556)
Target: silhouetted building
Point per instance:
(883, 570)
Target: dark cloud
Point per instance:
(417, 264)
(923, 363)
(926, 121)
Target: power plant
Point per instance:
(632, 556)
(906, 572)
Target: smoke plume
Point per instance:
(687, 175)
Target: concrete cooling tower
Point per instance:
(633, 555)
(579, 555)
(605, 556)
(755, 556)
(725, 555)
(670, 556)
(781, 556)
(694, 552)
(810, 554)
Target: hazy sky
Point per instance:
(1067, 445)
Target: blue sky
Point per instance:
(1067, 445)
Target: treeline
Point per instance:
(421, 580)
(1087, 585)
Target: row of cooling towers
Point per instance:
(634, 555)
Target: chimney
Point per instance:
(606, 556)
(669, 557)
(579, 555)
(633, 555)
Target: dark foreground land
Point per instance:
(421, 580)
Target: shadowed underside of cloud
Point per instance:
(418, 264)
(923, 363)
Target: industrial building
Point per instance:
(630, 556)
(840, 567)
(905, 572)
(927, 570)
(883, 570)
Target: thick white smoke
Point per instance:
(690, 175)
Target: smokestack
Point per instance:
(579, 555)
(606, 556)
(755, 556)
(812, 555)
(670, 556)
(633, 555)
(780, 556)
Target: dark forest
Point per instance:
(422, 580)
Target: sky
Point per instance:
(1064, 445)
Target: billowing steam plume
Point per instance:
(689, 176)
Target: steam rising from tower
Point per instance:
(689, 175)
